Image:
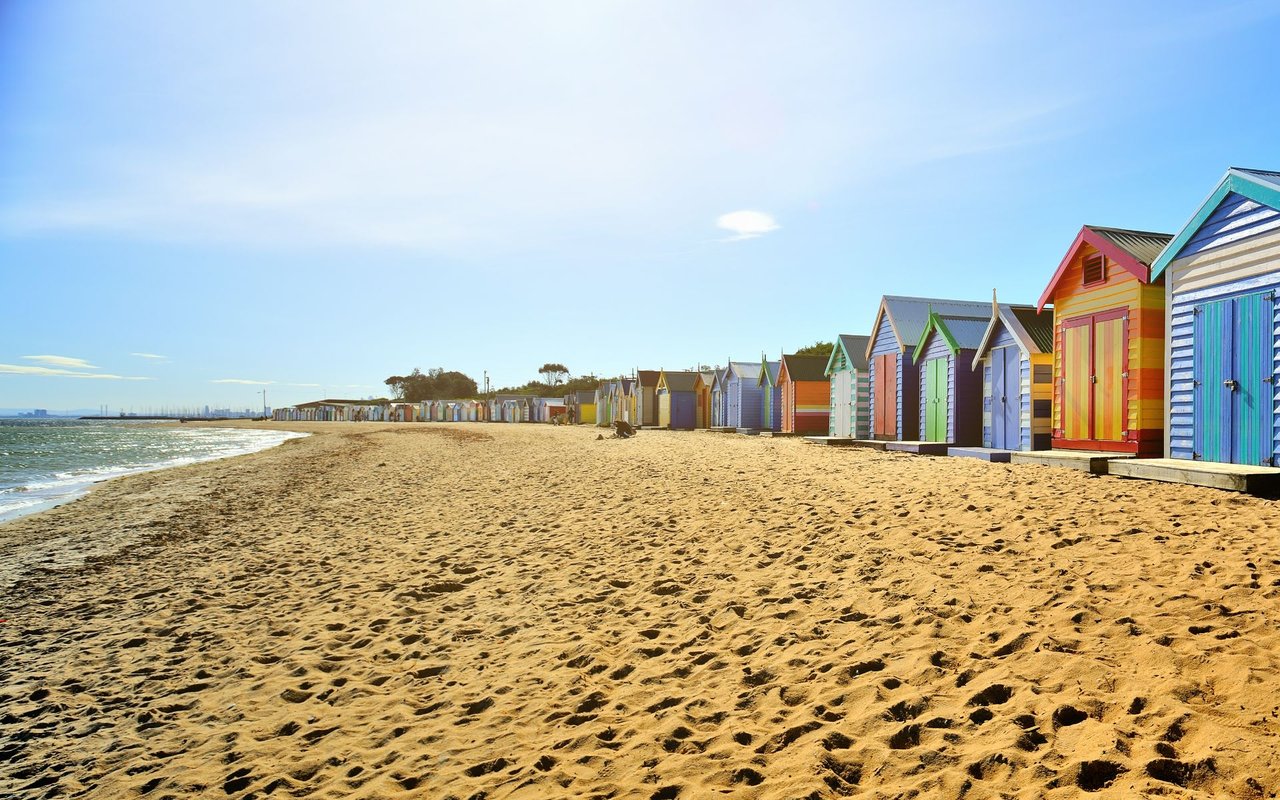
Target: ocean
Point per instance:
(44, 462)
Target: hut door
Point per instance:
(1233, 395)
(1006, 398)
(1095, 354)
(886, 396)
(841, 408)
(935, 420)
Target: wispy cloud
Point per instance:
(54, 372)
(747, 224)
(243, 381)
(151, 356)
(62, 361)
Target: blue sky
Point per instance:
(310, 196)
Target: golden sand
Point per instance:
(517, 611)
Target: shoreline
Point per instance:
(393, 610)
(80, 488)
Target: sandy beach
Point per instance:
(519, 611)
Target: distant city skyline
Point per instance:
(345, 195)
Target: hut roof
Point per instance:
(1033, 330)
(318, 403)
(647, 377)
(1259, 185)
(680, 381)
(961, 332)
(908, 316)
(804, 368)
(768, 374)
(1134, 251)
(854, 349)
(743, 369)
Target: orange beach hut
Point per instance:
(805, 391)
(1109, 343)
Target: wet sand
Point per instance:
(518, 611)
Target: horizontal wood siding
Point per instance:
(810, 406)
(1239, 268)
(1038, 408)
(1235, 219)
(1144, 398)
(861, 404)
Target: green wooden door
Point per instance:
(936, 400)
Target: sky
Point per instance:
(203, 201)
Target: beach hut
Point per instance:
(646, 398)
(705, 380)
(743, 396)
(584, 403)
(893, 375)
(719, 398)
(850, 388)
(1109, 347)
(621, 398)
(770, 396)
(1221, 273)
(604, 404)
(677, 394)
(1015, 360)
(805, 394)
(950, 396)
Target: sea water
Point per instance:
(44, 462)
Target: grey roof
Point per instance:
(967, 330)
(682, 381)
(910, 315)
(745, 369)
(1264, 175)
(1039, 326)
(856, 347)
(1145, 246)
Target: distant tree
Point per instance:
(816, 349)
(435, 385)
(553, 374)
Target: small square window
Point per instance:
(1095, 269)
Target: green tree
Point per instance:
(816, 349)
(553, 374)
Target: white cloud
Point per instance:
(151, 356)
(747, 224)
(53, 372)
(62, 361)
(244, 381)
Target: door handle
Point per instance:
(1093, 379)
(1231, 384)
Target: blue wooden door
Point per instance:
(1233, 388)
(1006, 398)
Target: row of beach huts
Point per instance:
(1151, 355)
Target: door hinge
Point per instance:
(1125, 374)
(1195, 456)
(1268, 379)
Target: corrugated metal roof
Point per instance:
(1145, 246)
(682, 381)
(806, 368)
(745, 369)
(856, 348)
(1039, 326)
(647, 377)
(910, 315)
(1267, 176)
(967, 331)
